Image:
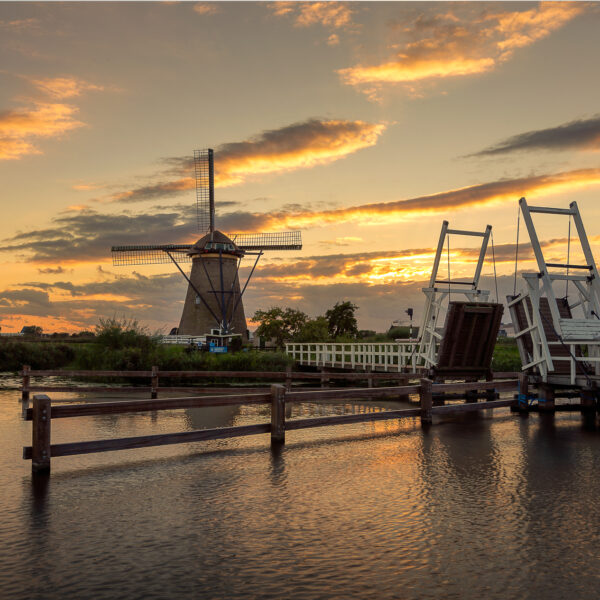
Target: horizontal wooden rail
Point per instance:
(471, 406)
(342, 419)
(106, 408)
(42, 414)
(224, 374)
(86, 388)
(85, 373)
(476, 385)
(352, 393)
(145, 441)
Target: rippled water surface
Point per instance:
(481, 506)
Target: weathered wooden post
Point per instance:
(324, 379)
(26, 380)
(277, 414)
(369, 369)
(588, 400)
(545, 398)
(40, 452)
(288, 378)
(426, 399)
(521, 404)
(154, 384)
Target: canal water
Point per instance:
(479, 506)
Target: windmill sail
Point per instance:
(159, 254)
(205, 189)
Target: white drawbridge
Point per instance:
(559, 339)
(439, 293)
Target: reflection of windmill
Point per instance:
(214, 298)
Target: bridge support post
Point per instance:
(40, 442)
(277, 414)
(426, 401)
(25, 386)
(546, 398)
(521, 404)
(154, 383)
(588, 400)
(369, 369)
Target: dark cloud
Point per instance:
(88, 235)
(297, 146)
(583, 134)
(52, 271)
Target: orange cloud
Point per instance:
(329, 14)
(298, 146)
(448, 45)
(206, 8)
(472, 196)
(64, 87)
(19, 127)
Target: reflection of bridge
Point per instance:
(384, 356)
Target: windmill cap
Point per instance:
(213, 242)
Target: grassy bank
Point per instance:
(145, 354)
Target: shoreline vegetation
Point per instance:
(141, 353)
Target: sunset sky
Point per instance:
(364, 124)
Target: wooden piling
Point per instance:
(545, 397)
(277, 414)
(426, 401)
(521, 404)
(154, 384)
(26, 381)
(288, 378)
(588, 400)
(41, 434)
(369, 369)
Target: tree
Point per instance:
(32, 330)
(341, 319)
(115, 334)
(314, 330)
(279, 324)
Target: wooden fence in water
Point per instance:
(42, 413)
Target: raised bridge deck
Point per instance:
(385, 356)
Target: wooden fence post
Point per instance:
(154, 384)
(324, 379)
(288, 378)
(426, 399)
(277, 414)
(41, 434)
(522, 404)
(26, 380)
(368, 369)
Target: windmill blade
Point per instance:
(205, 189)
(150, 255)
(282, 240)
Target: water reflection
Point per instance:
(474, 507)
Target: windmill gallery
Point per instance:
(213, 303)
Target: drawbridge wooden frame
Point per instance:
(436, 296)
(556, 347)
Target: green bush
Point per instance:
(506, 355)
(13, 355)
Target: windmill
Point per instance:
(213, 303)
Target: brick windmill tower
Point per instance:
(213, 303)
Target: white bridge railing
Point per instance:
(182, 340)
(385, 356)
